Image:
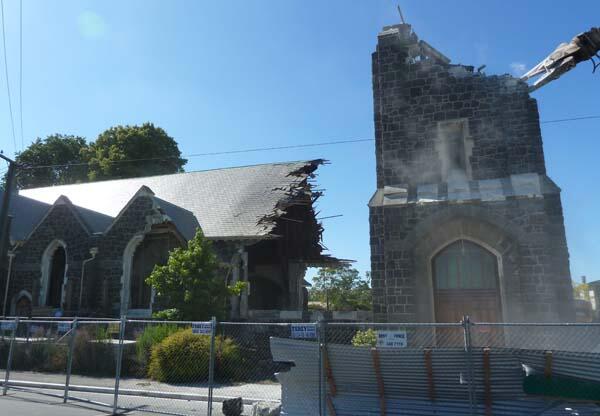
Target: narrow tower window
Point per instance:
(454, 150)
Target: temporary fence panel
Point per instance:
(94, 360)
(165, 377)
(557, 365)
(8, 330)
(252, 372)
(380, 368)
(38, 356)
(191, 368)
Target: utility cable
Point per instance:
(560, 120)
(12, 121)
(257, 149)
(21, 70)
(227, 152)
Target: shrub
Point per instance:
(93, 354)
(172, 314)
(152, 335)
(44, 356)
(183, 357)
(366, 338)
(317, 306)
(39, 356)
(229, 360)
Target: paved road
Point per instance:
(24, 402)
(29, 401)
(249, 391)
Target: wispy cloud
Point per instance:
(518, 68)
(92, 25)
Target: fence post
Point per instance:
(119, 362)
(211, 365)
(322, 339)
(10, 356)
(466, 322)
(70, 358)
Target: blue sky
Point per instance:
(242, 74)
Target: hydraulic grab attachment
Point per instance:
(565, 57)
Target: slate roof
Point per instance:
(30, 212)
(228, 203)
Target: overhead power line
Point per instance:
(560, 120)
(258, 149)
(227, 152)
(293, 146)
(21, 70)
(12, 121)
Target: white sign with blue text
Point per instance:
(305, 331)
(8, 325)
(202, 328)
(64, 327)
(392, 339)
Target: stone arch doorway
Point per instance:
(21, 305)
(141, 254)
(466, 282)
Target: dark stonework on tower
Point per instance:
(464, 220)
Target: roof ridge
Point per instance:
(170, 174)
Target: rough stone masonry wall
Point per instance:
(112, 247)
(410, 99)
(102, 288)
(60, 224)
(527, 232)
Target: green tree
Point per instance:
(190, 281)
(342, 289)
(57, 149)
(117, 153)
(581, 290)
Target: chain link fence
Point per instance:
(325, 368)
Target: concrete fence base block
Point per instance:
(266, 409)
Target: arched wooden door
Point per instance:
(465, 280)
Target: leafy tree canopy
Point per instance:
(116, 150)
(341, 289)
(190, 282)
(57, 149)
(115, 154)
(581, 291)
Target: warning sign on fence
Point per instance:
(8, 325)
(392, 339)
(64, 327)
(114, 328)
(305, 331)
(201, 328)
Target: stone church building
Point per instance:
(86, 249)
(465, 220)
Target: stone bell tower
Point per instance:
(464, 219)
